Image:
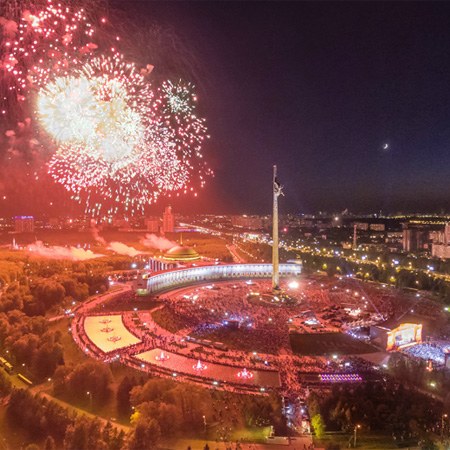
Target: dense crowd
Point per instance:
(434, 351)
(199, 317)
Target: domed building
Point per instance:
(181, 253)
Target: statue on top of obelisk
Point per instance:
(277, 191)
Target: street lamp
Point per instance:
(444, 416)
(89, 393)
(354, 434)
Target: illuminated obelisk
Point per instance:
(277, 191)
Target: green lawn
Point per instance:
(327, 344)
(72, 353)
(259, 434)
(167, 320)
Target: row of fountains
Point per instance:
(244, 374)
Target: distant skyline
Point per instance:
(318, 88)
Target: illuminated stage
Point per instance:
(394, 338)
(404, 334)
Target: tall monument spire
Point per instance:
(277, 191)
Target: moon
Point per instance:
(385, 146)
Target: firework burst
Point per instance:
(45, 43)
(117, 140)
(120, 142)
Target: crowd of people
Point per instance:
(256, 334)
(433, 351)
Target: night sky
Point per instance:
(317, 88)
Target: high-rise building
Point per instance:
(441, 243)
(152, 224)
(24, 224)
(415, 239)
(168, 224)
(249, 222)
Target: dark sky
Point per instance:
(318, 88)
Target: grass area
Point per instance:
(72, 353)
(246, 339)
(364, 441)
(259, 434)
(127, 304)
(167, 320)
(328, 343)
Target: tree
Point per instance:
(117, 440)
(5, 384)
(313, 404)
(48, 356)
(85, 434)
(318, 425)
(123, 396)
(91, 376)
(76, 436)
(145, 436)
(428, 444)
(49, 443)
(48, 292)
(32, 447)
(167, 416)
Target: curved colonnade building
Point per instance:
(221, 272)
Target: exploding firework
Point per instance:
(177, 104)
(46, 42)
(119, 147)
(100, 109)
(120, 142)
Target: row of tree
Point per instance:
(402, 278)
(45, 419)
(379, 407)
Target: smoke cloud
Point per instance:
(57, 252)
(115, 246)
(123, 249)
(161, 243)
(9, 27)
(97, 236)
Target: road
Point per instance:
(236, 257)
(297, 443)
